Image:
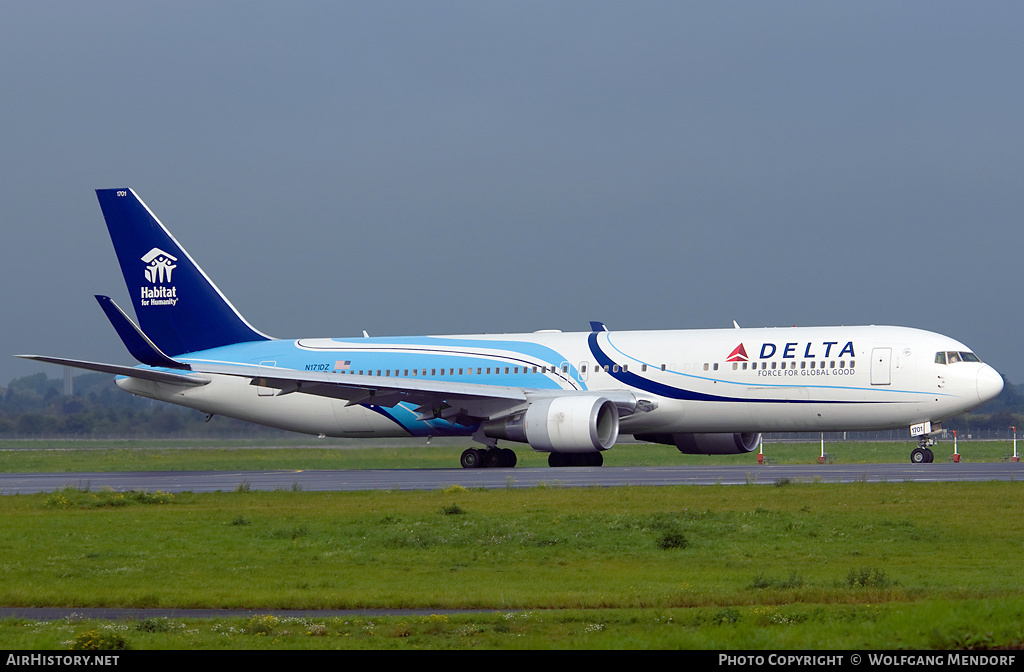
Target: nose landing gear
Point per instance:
(923, 453)
(925, 433)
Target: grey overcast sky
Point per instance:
(460, 167)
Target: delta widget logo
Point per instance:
(739, 354)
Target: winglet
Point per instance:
(138, 344)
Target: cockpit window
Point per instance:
(954, 357)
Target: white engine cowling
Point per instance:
(568, 424)
(707, 444)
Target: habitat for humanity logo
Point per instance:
(159, 269)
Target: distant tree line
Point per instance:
(35, 407)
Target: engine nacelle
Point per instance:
(569, 424)
(707, 444)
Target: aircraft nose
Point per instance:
(990, 383)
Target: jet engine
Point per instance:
(564, 424)
(707, 444)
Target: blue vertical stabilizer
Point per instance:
(176, 304)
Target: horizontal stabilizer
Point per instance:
(138, 344)
(130, 371)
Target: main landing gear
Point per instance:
(575, 459)
(492, 456)
(477, 458)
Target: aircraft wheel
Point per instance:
(471, 458)
(509, 457)
(575, 459)
(918, 456)
(929, 456)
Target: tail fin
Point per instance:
(177, 305)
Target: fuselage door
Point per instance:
(881, 360)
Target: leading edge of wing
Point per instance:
(376, 390)
(434, 398)
(155, 375)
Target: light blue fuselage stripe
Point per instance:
(399, 357)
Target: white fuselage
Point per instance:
(728, 380)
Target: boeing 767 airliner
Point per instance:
(570, 395)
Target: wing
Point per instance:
(456, 402)
(157, 375)
(461, 403)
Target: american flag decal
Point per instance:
(342, 365)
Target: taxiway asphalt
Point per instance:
(433, 479)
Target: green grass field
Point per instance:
(853, 566)
(59, 456)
